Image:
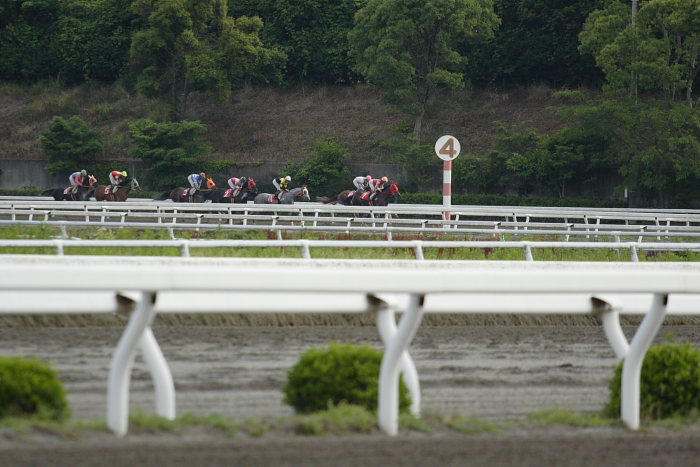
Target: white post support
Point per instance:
(609, 307)
(386, 324)
(160, 372)
(389, 372)
(185, 248)
(305, 252)
(122, 362)
(418, 249)
(59, 247)
(528, 252)
(633, 253)
(632, 369)
(447, 187)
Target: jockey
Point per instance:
(77, 179)
(376, 185)
(115, 178)
(236, 185)
(196, 181)
(281, 185)
(362, 184)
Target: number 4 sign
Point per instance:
(447, 148)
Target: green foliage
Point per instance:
(662, 48)
(172, 150)
(505, 200)
(670, 382)
(70, 144)
(341, 373)
(342, 419)
(313, 34)
(326, 174)
(409, 49)
(536, 43)
(30, 388)
(193, 45)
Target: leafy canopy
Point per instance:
(173, 150)
(70, 144)
(193, 45)
(408, 47)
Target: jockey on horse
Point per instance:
(281, 185)
(236, 185)
(115, 178)
(77, 179)
(196, 181)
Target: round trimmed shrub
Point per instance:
(670, 383)
(341, 373)
(30, 388)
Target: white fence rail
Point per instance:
(34, 283)
(486, 220)
(305, 246)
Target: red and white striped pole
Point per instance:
(447, 148)
(447, 187)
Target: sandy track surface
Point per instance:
(491, 372)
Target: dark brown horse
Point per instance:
(248, 192)
(185, 195)
(346, 197)
(105, 193)
(82, 193)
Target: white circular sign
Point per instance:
(447, 148)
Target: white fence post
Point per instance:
(632, 369)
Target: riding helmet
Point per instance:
(243, 179)
(83, 172)
(123, 173)
(288, 178)
(203, 175)
(384, 179)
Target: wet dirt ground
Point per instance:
(491, 372)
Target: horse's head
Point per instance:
(135, 184)
(304, 193)
(92, 181)
(251, 185)
(211, 184)
(394, 189)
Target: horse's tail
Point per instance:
(162, 197)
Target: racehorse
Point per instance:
(288, 197)
(381, 199)
(66, 194)
(344, 198)
(185, 195)
(248, 191)
(104, 192)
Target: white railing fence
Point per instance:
(42, 283)
(416, 246)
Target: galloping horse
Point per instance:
(381, 199)
(344, 198)
(66, 194)
(287, 197)
(247, 192)
(184, 195)
(104, 192)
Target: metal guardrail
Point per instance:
(305, 246)
(417, 282)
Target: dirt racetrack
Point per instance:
(490, 372)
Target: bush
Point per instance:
(341, 373)
(30, 388)
(70, 144)
(670, 384)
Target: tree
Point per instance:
(193, 45)
(662, 48)
(70, 144)
(326, 173)
(407, 47)
(173, 150)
